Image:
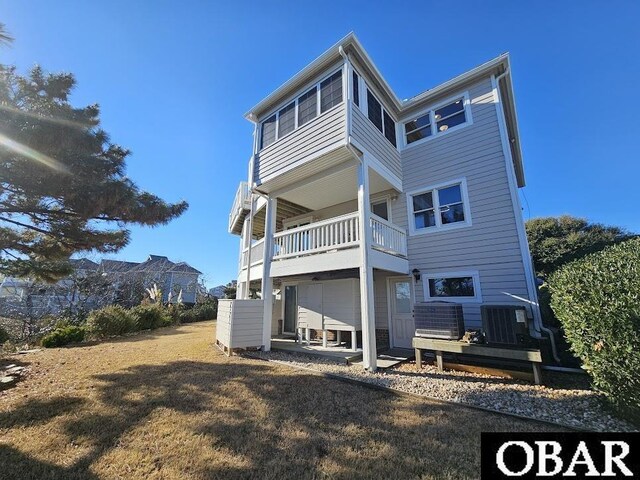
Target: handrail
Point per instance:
(388, 237)
(242, 194)
(330, 234)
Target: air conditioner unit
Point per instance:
(506, 326)
(439, 320)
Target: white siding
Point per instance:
(239, 323)
(490, 245)
(339, 309)
(302, 145)
(367, 135)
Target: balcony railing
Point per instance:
(388, 237)
(338, 233)
(331, 234)
(240, 202)
(257, 253)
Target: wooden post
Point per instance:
(369, 352)
(439, 360)
(418, 359)
(267, 281)
(537, 373)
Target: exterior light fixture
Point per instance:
(416, 274)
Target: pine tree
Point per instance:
(63, 187)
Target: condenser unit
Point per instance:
(506, 325)
(439, 320)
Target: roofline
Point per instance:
(478, 71)
(349, 40)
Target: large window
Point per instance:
(308, 106)
(437, 120)
(320, 98)
(287, 120)
(380, 118)
(331, 91)
(457, 286)
(440, 207)
(268, 131)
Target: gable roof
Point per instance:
(83, 264)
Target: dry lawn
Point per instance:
(169, 405)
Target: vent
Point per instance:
(505, 325)
(439, 320)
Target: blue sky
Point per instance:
(174, 79)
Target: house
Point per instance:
(25, 296)
(359, 204)
(172, 278)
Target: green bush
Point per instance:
(63, 336)
(148, 317)
(597, 300)
(200, 312)
(110, 321)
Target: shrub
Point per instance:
(110, 321)
(597, 300)
(148, 317)
(200, 312)
(63, 336)
(4, 335)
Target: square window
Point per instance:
(268, 132)
(374, 110)
(287, 120)
(380, 209)
(331, 91)
(438, 207)
(307, 106)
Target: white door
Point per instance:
(401, 301)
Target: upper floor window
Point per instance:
(287, 119)
(380, 118)
(443, 206)
(268, 131)
(437, 120)
(356, 89)
(331, 91)
(321, 97)
(308, 106)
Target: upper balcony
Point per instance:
(240, 208)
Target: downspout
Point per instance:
(537, 319)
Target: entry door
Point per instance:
(402, 324)
(290, 309)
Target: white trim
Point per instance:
(434, 133)
(439, 227)
(517, 208)
(477, 298)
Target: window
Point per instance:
(374, 110)
(437, 121)
(443, 206)
(459, 286)
(327, 93)
(380, 118)
(331, 91)
(381, 209)
(356, 89)
(389, 128)
(287, 120)
(268, 131)
(308, 106)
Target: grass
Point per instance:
(168, 405)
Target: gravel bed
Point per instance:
(565, 399)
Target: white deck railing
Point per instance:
(239, 202)
(331, 234)
(388, 237)
(338, 233)
(257, 253)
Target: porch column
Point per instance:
(369, 352)
(267, 281)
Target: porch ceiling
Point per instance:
(286, 209)
(335, 188)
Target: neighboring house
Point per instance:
(172, 278)
(27, 297)
(218, 291)
(359, 204)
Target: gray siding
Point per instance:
(367, 135)
(490, 245)
(340, 306)
(239, 323)
(302, 145)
